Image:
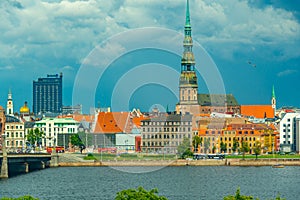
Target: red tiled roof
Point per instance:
(258, 111)
(137, 120)
(82, 117)
(113, 122)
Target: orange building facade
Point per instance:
(214, 138)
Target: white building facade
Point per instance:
(125, 142)
(57, 131)
(289, 132)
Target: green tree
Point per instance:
(235, 145)
(238, 196)
(86, 138)
(214, 149)
(76, 141)
(34, 137)
(257, 148)
(245, 148)
(196, 142)
(223, 147)
(184, 149)
(139, 193)
(206, 144)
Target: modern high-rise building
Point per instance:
(47, 94)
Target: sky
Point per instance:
(126, 54)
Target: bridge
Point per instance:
(24, 163)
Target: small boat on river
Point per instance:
(278, 166)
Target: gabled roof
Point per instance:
(137, 120)
(248, 127)
(171, 118)
(257, 111)
(113, 122)
(83, 117)
(217, 100)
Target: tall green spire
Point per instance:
(187, 14)
(273, 93)
(188, 60)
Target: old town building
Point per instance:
(163, 134)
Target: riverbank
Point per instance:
(208, 162)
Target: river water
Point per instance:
(176, 183)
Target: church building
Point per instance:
(190, 101)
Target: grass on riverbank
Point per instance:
(270, 156)
(123, 157)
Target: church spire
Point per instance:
(188, 60)
(9, 105)
(187, 14)
(273, 100)
(188, 83)
(273, 93)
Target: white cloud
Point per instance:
(7, 67)
(67, 67)
(287, 72)
(70, 29)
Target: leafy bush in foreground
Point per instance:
(139, 194)
(238, 196)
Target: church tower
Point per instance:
(273, 101)
(188, 84)
(9, 105)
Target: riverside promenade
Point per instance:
(77, 160)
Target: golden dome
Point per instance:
(24, 109)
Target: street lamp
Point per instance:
(126, 141)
